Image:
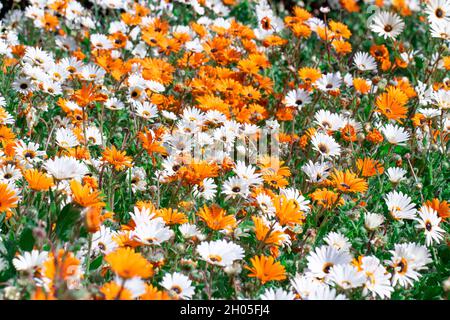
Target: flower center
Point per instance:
(326, 267)
(215, 258)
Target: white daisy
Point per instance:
(387, 24)
(178, 285)
(428, 220)
(220, 252)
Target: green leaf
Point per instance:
(67, 218)
(97, 262)
(26, 241)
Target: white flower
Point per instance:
(387, 24)
(30, 261)
(325, 145)
(207, 189)
(440, 30)
(220, 252)
(294, 194)
(65, 167)
(400, 205)
(441, 98)
(247, 173)
(102, 241)
(407, 259)
(395, 134)
(347, 276)
(189, 230)
(329, 121)
(329, 82)
(146, 110)
(338, 241)
(316, 171)
(324, 258)
(178, 285)
(438, 11)
(396, 174)
(429, 221)
(65, 138)
(304, 285)
(154, 232)
(235, 186)
(377, 278)
(155, 86)
(297, 98)
(324, 292)
(373, 220)
(364, 62)
(277, 294)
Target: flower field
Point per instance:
(224, 149)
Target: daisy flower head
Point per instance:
(297, 98)
(429, 221)
(324, 258)
(387, 24)
(438, 11)
(326, 145)
(30, 261)
(406, 261)
(178, 285)
(395, 134)
(277, 294)
(395, 174)
(220, 252)
(364, 62)
(400, 205)
(346, 276)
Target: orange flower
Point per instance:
(369, 167)
(309, 75)
(196, 172)
(85, 196)
(326, 198)
(361, 85)
(7, 136)
(151, 143)
(128, 264)
(65, 266)
(273, 171)
(266, 269)
(266, 234)
(442, 207)
(347, 182)
(392, 104)
(379, 52)
(446, 62)
(87, 94)
(287, 211)
(216, 218)
(93, 218)
(38, 181)
(8, 198)
(114, 291)
(152, 293)
(375, 136)
(50, 22)
(172, 216)
(117, 158)
(350, 5)
(341, 46)
(349, 133)
(339, 30)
